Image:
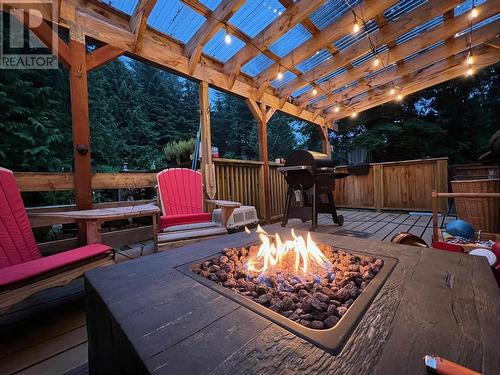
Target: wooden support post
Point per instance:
(263, 114)
(81, 128)
(207, 166)
(378, 186)
(442, 183)
(325, 142)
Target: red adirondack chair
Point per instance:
(23, 270)
(180, 193)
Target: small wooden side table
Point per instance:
(227, 208)
(94, 217)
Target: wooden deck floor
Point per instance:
(46, 334)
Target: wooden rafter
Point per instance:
(101, 56)
(139, 20)
(455, 46)
(215, 21)
(291, 17)
(429, 76)
(386, 34)
(398, 53)
(101, 22)
(341, 27)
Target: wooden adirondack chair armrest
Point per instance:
(227, 208)
(223, 203)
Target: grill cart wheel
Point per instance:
(340, 220)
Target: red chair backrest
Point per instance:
(17, 243)
(440, 245)
(181, 191)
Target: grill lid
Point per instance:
(315, 160)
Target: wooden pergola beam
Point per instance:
(101, 56)
(386, 34)
(453, 47)
(139, 20)
(398, 53)
(101, 22)
(215, 21)
(341, 27)
(291, 17)
(429, 76)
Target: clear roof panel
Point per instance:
(466, 6)
(211, 4)
(302, 91)
(174, 18)
(126, 6)
(291, 40)
(255, 15)
(351, 38)
(317, 99)
(219, 49)
(331, 11)
(257, 65)
(331, 75)
(318, 58)
(419, 30)
(287, 77)
(370, 55)
(400, 8)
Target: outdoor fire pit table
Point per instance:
(151, 315)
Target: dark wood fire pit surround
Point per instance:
(145, 316)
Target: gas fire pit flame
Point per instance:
(273, 251)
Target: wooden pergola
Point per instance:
(382, 63)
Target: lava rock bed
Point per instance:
(316, 300)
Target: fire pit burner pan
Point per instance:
(330, 340)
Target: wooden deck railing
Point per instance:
(405, 185)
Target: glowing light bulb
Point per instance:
(470, 60)
(376, 62)
(279, 76)
(474, 12)
(227, 38)
(392, 91)
(315, 91)
(399, 97)
(469, 72)
(336, 109)
(356, 27)
(354, 115)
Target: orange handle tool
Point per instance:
(445, 367)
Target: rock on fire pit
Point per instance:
(315, 291)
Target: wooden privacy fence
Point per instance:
(403, 185)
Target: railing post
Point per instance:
(378, 186)
(80, 123)
(442, 183)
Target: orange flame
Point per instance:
(272, 251)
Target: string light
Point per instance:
(392, 91)
(314, 91)
(470, 60)
(279, 76)
(336, 109)
(356, 27)
(470, 72)
(227, 38)
(354, 115)
(376, 62)
(474, 12)
(399, 97)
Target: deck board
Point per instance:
(47, 333)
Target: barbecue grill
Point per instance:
(309, 176)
